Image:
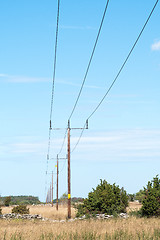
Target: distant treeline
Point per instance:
(21, 200)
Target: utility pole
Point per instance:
(57, 166)
(52, 188)
(57, 184)
(50, 193)
(69, 167)
(69, 173)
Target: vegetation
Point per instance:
(151, 202)
(21, 209)
(106, 198)
(21, 200)
(0, 211)
(113, 229)
(7, 201)
(140, 196)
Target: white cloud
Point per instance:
(119, 145)
(22, 79)
(156, 46)
(123, 145)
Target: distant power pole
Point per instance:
(57, 184)
(52, 188)
(50, 193)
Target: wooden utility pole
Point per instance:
(69, 167)
(69, 174)
(57, 184)
(52, 188)
(50, 193)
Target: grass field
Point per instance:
(113, 229)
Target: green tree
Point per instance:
(151, 202)
(140, 196)
(7, 201)
(106, 198)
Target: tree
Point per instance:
(140, 195)
(106, 198)
(7, 201)
(151, 202)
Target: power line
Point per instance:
(124, 63)
(53, 83)
(79, 138)
(85, 76)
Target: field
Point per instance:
(131, 228)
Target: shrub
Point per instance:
(106, 198)
(21, 209)
(140, 196)
(0, 211)
(151, 202)
(7, 201)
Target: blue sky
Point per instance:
(123, 139)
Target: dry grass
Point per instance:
(88, 229)
(134, 206)
(45, 211)
(113, 229)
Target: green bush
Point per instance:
(151, 202)
(106, 198)
(7, 201)
(21, 209)
(0, 211)
(140, 196)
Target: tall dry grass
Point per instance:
(131, 228)
(112, 229)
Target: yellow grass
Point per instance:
(134, 206)
(34, 230)
(46, 211)
(120, 229)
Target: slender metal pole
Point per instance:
(69, 175)
(57, 184)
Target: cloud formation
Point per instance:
(156, 46)
(21, 79)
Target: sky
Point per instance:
(122, 144)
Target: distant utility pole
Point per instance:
(52, 188)
(50, 193)
(57, 184)
(57, 166)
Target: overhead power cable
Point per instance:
(124, 63)
(86, 73)
(119, 72)
(94, 48)
(53, 83)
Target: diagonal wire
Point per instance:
(79, 139)
(87, 70)
(124, 63)
(94, 48)
(53, 83)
